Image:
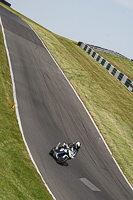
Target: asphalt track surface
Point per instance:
(51, 112)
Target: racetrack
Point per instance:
(51, 112)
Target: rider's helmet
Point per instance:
(77, 145)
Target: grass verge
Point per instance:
(108, 101)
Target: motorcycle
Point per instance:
(62, 155)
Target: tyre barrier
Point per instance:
(111, 69)
(5, 2)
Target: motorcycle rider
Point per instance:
(70, 147)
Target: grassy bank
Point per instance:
(108, 101)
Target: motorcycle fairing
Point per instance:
(62, 151)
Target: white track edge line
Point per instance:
(17, 111)
(85, 110)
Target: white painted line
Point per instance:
(17, 111)
(89, 185)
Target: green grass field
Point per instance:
(108, 101)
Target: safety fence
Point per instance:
(111, 69)
(103, 50)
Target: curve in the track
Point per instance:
(51, 112)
